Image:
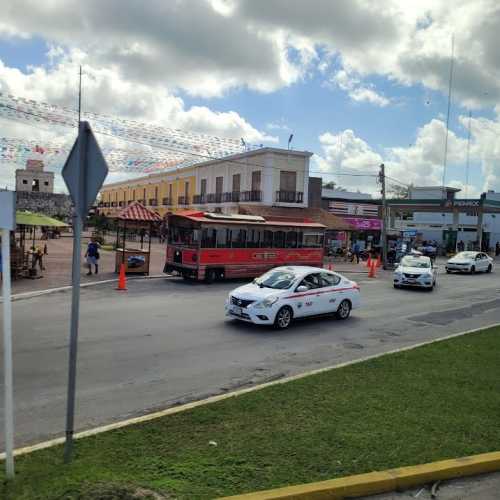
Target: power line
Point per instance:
(198, 155)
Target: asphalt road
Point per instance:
(166, 342)
(485, 487)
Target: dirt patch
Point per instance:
(112, 491)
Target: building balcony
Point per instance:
(153, 202)
(183, 200)
(289, 197)
(166, 202)
(251, 196)
(214, 198)
(200, 199)
(231, 197)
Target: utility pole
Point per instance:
(383, 242)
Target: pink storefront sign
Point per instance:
(364, 224)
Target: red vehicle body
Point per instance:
(213, 246)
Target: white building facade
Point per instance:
(267, 176)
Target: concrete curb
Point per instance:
(220, 397)
(374, 483)
(48, 291)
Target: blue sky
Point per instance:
(353, 97)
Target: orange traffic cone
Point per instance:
(371, 272)
(122, 279)
(379, 261)
(369, 262)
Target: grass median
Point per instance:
(431, 403)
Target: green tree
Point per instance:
(399, 191)
(333, 185)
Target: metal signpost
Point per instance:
(7, 224)
(84, 173)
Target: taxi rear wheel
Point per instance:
(490, 267)
(344, 310)
(473, 270)
(283, 318)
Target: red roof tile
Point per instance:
(138, 212)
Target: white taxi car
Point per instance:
(470, 262)
(415, 271)
(285, 293)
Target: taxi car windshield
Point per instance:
(280, 280)
(465, 255)
(413, 262)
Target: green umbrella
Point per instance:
(26, 218)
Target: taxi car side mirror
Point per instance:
(302, 288)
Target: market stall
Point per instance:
(24, 260)
(139, 221)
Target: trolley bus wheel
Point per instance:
(210, 275)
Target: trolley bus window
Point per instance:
(254, 238)
(208, 238)
(267, 242)
(183, 236)
(313, 240)
(238, 238)
(279, 239)
(291, 239)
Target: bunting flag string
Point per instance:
(18, 151)
(172, 147)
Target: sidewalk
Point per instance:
(58, 264)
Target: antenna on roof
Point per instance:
(290, 140)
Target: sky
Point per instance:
(356, 82)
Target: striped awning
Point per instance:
(138, 212)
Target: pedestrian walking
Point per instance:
(355, 252)
(92, 256)
(37, 258)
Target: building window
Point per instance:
(256, 180)
(186, 190)
(288, 181)
(236, 183)
(219, 184)
(46, 183)
(25, 181)
(35, 185)
(170, 192)
(203, 186)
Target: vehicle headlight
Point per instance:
(266, 302)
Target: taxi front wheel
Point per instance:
(283, 318)
(344, 310)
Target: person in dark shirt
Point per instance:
(92, 256)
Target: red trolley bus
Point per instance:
(213, 246)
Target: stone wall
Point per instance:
(52, 204)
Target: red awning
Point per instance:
(138, 212)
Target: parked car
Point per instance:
(415, 271)
(470, 262)
(285, 293)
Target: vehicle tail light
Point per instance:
(355, 286)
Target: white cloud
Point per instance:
(207, 47)
(420, 164)
(357, 91)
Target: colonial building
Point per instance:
(265, 176)
(34, 179)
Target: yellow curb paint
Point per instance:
(381, 482)
(220, 397)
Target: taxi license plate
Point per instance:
(237, 310)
